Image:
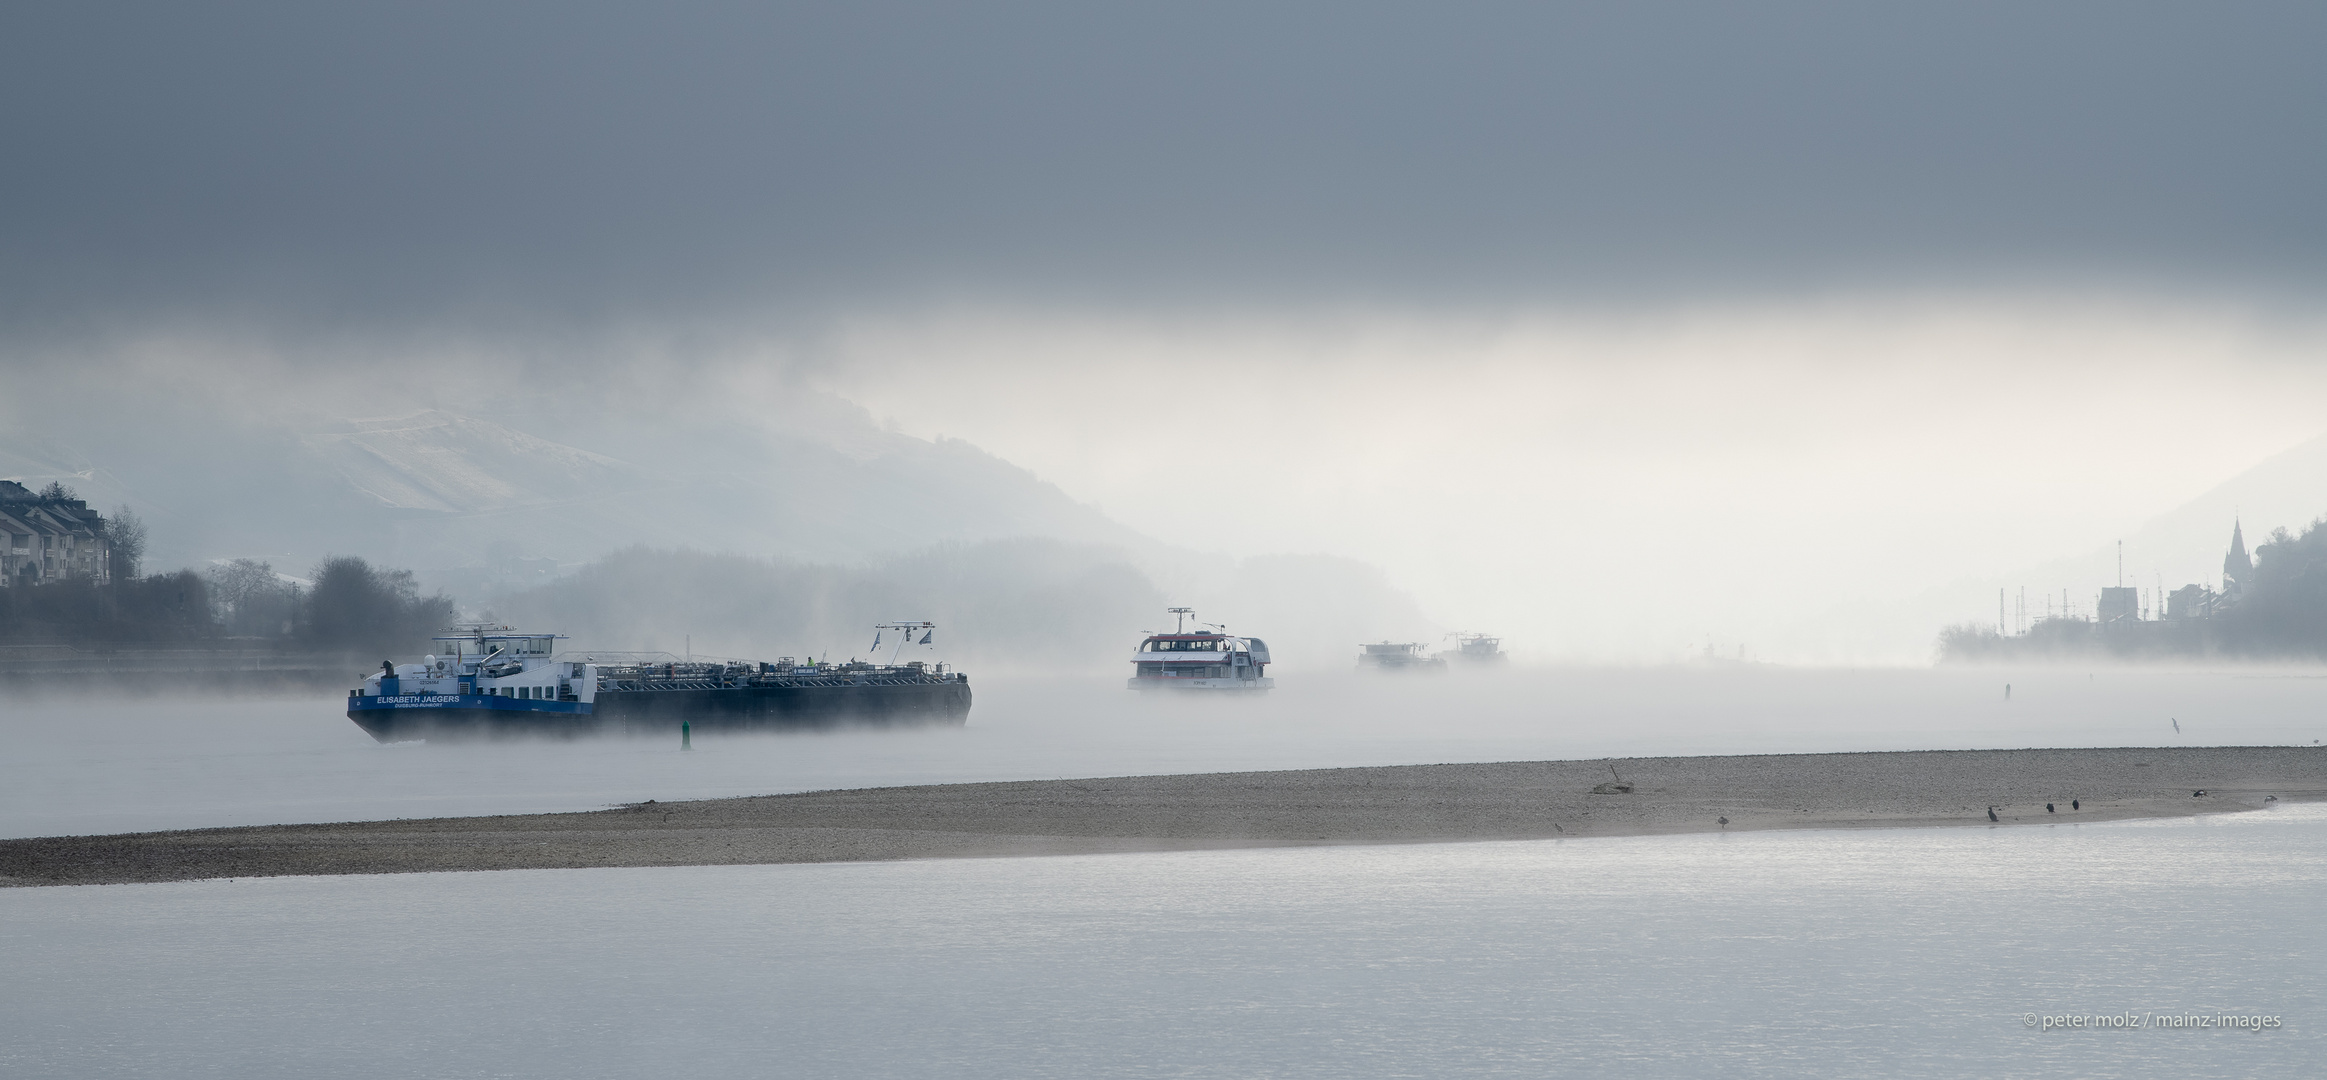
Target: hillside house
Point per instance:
(46, 537)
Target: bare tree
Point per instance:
(124, 544)
(252, 600)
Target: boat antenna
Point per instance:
(1183, 613)
(905, 631)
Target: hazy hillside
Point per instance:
(447, 493)
(572, 513)
(1019, 605)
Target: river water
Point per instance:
(1932, 952)
(89, 765)
(1867, 953)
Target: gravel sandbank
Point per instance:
(1400, 804)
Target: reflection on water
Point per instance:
(1863, 953)
(88, 766)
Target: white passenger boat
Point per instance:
(1207, 658)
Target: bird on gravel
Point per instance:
(2076, 804)
(1992, 814)
(1724, 823)
(2048, 808)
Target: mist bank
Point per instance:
(1555, 480)
(1019, 605)
(1796, 477)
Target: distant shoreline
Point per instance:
(1386, 805)
(146, 671)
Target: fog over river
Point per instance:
(80, 765)
(1630, 335)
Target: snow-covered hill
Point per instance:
(436, 461)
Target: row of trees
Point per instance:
(351, 607)
(2284, 610)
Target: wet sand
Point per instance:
(1401, 804)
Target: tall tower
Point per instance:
(2236, 566)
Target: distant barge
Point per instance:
(497, 683)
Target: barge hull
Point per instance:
(660, 712)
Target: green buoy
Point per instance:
(686, 736)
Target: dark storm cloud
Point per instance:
(542, 160)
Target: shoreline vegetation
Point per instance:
(1357, 806)
(170, 633)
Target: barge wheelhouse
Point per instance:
(1398, 656)
(1472, 648)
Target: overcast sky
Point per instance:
(498, 161)
(1618, 324)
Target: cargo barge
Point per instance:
(493, 682)
(1398, 656)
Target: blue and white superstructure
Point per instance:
(492, 668)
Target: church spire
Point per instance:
(2236, 566)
